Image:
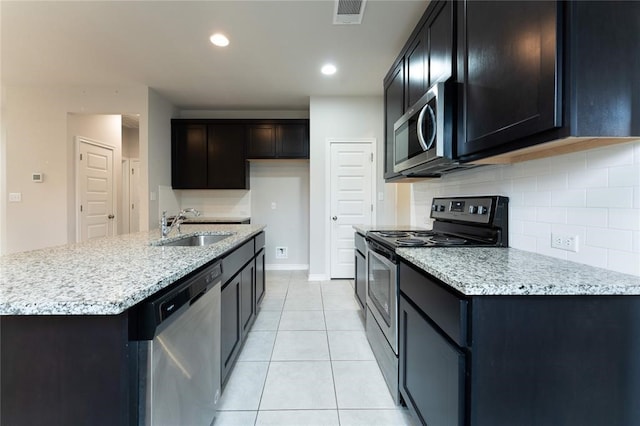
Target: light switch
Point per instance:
(273, 205)
(152, 196)
(380, 196)
(15, 197)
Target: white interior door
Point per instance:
(134, 196)
(95, 191)
(351, 201)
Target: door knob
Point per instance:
(335, 218)
(111, 216)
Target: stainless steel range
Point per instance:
(458, 222)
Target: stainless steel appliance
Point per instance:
(423, 137)
(458, 221)
(178, 352)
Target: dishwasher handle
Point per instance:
(156, 312)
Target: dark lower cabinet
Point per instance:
(432, 370)
(241, 296)
(247, 297)
(66, 370)
(517, 360)
(230, 328)
(260, 276)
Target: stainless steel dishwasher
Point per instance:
(178, 352)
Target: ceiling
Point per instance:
(272, 63)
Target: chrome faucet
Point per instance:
(177, 221)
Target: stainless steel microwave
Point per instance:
(423, 137)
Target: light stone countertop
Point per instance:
(508, 271)
(105, 276)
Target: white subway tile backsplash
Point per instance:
(594, 256)
(624, 175)
(597, 217)
(611, 156)
(609, 238)
(610, 197)
(553, 181)
(591, 178)
(624, 219)
(593, 194)
(625, 262)
(525, 184)
(538, 199)
(552, 215)
(569, 198)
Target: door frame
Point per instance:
(327, 214)
(79, 140)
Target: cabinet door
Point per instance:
(432, 370)
(261, 141)
(260, 277)
(393, 110)
(416, 61)
(510, 63)
(248, 297)
(189, 156)
(230, 330)
(361, 279)
(440, 36)
(227, 165)
(292, 141)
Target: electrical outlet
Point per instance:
(281, 253)
(565, 242)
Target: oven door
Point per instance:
(382, 294)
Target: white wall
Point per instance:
(593, 194)
(36, 139)
(339, 118)
(106, 129)
(217, 203)
(285, 183)
(158, 155)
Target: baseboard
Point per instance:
(292, 267)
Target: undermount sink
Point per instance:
(195, 240)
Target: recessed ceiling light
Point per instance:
(219, 40)
(328, 69)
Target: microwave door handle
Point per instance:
(423, 143)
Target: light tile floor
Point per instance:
(306, 361)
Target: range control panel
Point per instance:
(465, 209)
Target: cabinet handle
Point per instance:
(432, 137)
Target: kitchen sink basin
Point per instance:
(195, 240)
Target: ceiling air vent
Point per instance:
(348, 12)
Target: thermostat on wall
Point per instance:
(37, 177)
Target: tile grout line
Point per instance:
(264, 384)
(333, 377)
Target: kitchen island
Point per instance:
(68, 313)
(499, 336)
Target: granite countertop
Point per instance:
(105, 276)
(508, 271)
(215, 219)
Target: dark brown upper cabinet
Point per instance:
(208, 156)
(394, 106)
(532, 72)
(427, 58)
(278, 140)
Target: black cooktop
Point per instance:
(458, 221)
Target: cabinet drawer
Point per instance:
(260, 241)
(233, 263)
(447, 310)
